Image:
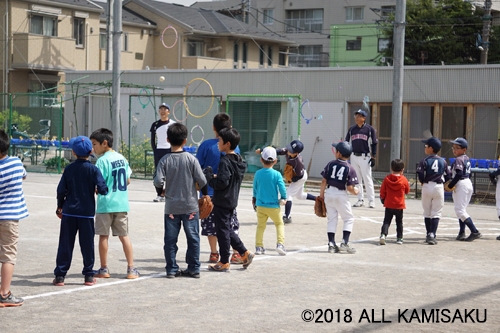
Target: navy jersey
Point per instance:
(296, 163)
(360, 139)
(461, 166)
(433, 169)
(340, 174)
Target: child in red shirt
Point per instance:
(392, 194)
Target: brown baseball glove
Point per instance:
(205, 205)
(319, 207)
(447, 188)
(289, 173)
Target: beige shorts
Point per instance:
(9, 235)
(118, 222)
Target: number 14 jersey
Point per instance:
(340, 174)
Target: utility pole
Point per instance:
(486, 31)
(398, 77)
(109, 35)
(116, 83)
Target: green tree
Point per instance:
(444, 32)
(22, 121)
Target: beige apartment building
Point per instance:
(42, 39)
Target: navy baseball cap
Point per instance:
(343, 147)
(295, 147)
(433, 142)
(363, 113)
(81, 145)
(460, 141)
(164, 105)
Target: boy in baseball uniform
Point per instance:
(339, 178)
(493, 178)
(463, 192)
(432, 173)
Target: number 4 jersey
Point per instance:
(339, 174)
(116, 172)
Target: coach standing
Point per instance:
(363, 136)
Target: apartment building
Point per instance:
(309, 24)
(45, 38)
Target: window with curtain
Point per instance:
(78, 30)
(43, 25)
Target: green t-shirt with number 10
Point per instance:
(116, 171)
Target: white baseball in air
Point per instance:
(162, 78)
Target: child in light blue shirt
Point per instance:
(267, 185)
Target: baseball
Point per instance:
(162, 78)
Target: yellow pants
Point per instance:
(263, 213)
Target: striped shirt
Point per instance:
(12, 204)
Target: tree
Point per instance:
(441, 33)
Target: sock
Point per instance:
(462, 226)
(331, 238)
(434, 225)
(312, 197)
(345, 236)
(288, 209)
(427, 224)
(468, 222)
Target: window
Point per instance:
(270, 56)
(195, 48)
(125, 42)
(78, 30)
(352, 45)
(43, 25)
(354, 14)
(383, 44)
(268, 16)
(103, 41)
(46, 92)
(261, 55)
(308, 20)
(236, 55)
(307, 56)
(385, 11)
(244, 55)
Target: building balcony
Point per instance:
(293, 26)
(45, 52)
(313, 60)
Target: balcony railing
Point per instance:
(293, 26)
(313, 60)
(45, 52)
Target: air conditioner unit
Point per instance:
(244, 66)
(235, 65)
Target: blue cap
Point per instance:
(363, 113)
(433, 142)
(460, 141)
(81, 145)
(295, 147)
(343, 147)
(164, 105)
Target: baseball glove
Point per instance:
(447, 188)
(319, 207)
(289, 173)
(205, 205)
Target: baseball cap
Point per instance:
(164, 105)
(343, 147)
(361, 112)
(460, 141)
(295, 147)
(269, 154)
(81, 145)
(433, 142)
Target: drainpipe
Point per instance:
(5, 71)
(86, 46)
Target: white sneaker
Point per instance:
(280, 248)
(382, 239)
(159, 199)
(360, 203)
(346, 248)
(372, 204)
